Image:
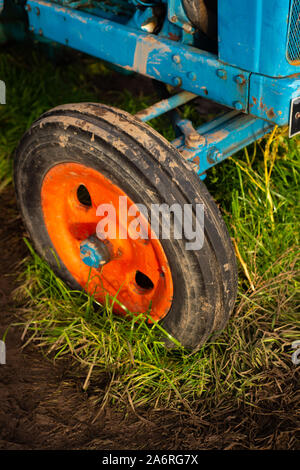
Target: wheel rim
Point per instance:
(138, 273)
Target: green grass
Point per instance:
(124, 361)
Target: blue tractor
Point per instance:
(77, 158)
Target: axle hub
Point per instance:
(94, 252)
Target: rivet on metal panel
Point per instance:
(238, 105)
(192, 76)
(222, 73)
(240, 79)
(27, 7)
(177, 81)
(150, 24)
(176, 59)
(37, 11)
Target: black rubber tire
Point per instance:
(144, 165)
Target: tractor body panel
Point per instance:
(257, 35)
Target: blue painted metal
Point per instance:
(253, 35)
(177, 16)
(174, 63)
(142, 19)
(165, 105)
(196, 71)
(221, 138)
(270, 98)
(251, 72)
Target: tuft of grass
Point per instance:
(124, 361)
(128, 351)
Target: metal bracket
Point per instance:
(176, 15)
(163, 59)
(220, 138)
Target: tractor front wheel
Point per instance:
(79, 157)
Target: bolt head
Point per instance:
(150, 25)
(240, 79)
(238, 105)
(177, 81)
(194, 140)
(192, 75)
(93, 252)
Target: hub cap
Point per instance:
(136, 271)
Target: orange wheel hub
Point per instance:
(137, 272)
